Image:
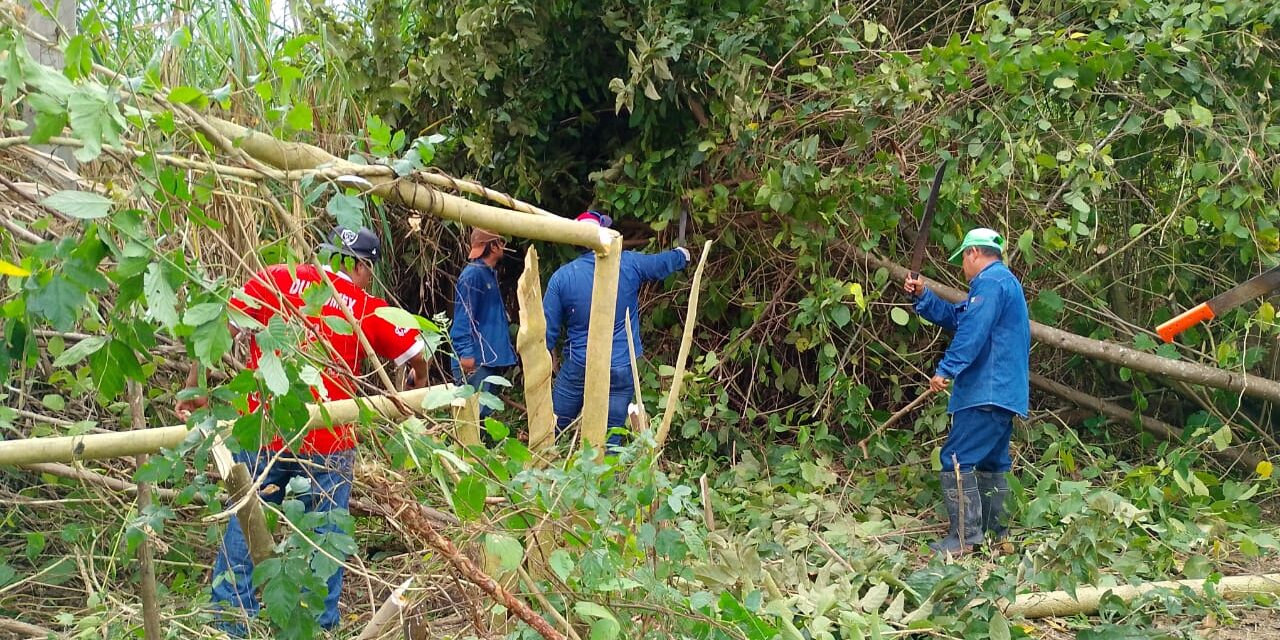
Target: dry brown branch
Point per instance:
(409, 516)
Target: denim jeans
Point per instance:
(330, 477)
(570, 385)
(979, 438)
(476, 380)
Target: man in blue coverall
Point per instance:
(480, 331)
(567, 305)
(987, 365)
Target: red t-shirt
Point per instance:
(260, 299)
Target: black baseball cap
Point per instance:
(360, 243)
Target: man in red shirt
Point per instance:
(324, 456)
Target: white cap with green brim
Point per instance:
(980, 237)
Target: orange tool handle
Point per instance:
(1189, 318)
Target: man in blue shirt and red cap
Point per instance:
(480, 331)
(567, 305)
(987, 366)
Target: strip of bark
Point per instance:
(1119, 414)
(686, 342)
(407, 514)
(1236, 381)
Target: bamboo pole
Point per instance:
(466, 419)
(146, 558)
(531, 342)
(604, 303)
(686, 342)
(128, 443)
(387, 614)
(290, 156)
(1061, 603)
(1236, 381)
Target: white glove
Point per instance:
(687, 257)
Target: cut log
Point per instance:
(129, 443)
(1194, 373)
(1061, 603)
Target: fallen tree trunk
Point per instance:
(1117, 413)
(292, 156)
(1061, 603)
(1236, 381)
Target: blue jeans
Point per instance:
(476, 381)
(330, 477)
(570, 385)
(979, 438)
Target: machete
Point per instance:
(926, 221)
(1234, 297)
(684, 221)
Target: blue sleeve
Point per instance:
(936, 310)
(464, 300)
(973, 329)
(659, 265)
(552, 311)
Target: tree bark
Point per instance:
(531, 341)
(1236, 381)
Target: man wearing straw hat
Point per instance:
(480, 331)
(567, 305)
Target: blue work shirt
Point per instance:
(988, 360)
(567, 303)
(480, 326)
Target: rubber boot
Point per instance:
(964, 510)
(994, 488)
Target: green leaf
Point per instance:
(840, 315)
(1200, 115)
(79, 204)
(870, 31)
(202, 313)
(48, 124)
(273, 374)
(54, 402)
(95, 119)
(188, 95)
(562, 564)
(605, 630)
(347, 210)
(505, 549)
(57, 301)
(998, 627)
(77, 58)
(1172, 119)
(1221, 438)
(398, 317)
(299, 117)
(899, 316)
(1064, 82)
(468, 497)
(162, 303)
(79, 351)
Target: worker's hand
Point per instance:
(939, 383)
(687, 256)
(183, 408)
(914, 285)
(468, 365)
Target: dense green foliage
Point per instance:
(1127, 148)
